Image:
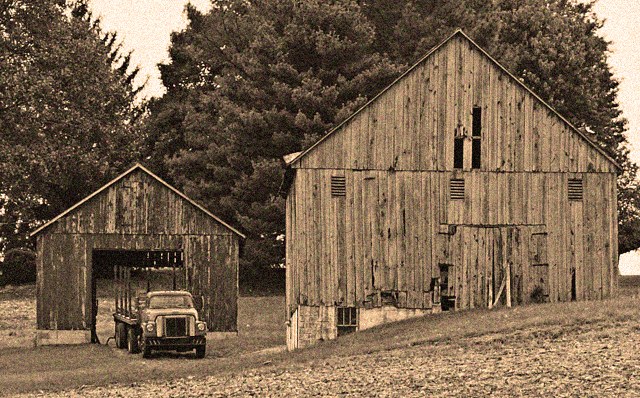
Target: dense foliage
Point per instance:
(552, 45)
(251, 81)
(18, 267)
(67, 111)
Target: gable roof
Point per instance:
(137, 166)
(295, 157)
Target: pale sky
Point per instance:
(145, 27)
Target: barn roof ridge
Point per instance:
(458, 32)
(136, 166)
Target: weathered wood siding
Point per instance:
(135, 213)
(138, 204)
(412, 125)
(386, 235)
(392, 230)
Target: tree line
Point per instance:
(252, 80)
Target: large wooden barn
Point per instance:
(135, 220)
(456, 187)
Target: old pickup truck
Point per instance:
(159, 320)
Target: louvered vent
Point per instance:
(575, 189)
(456, 188)
(338, 186)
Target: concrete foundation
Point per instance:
(62, 337)
(313, 324)
(369, 318)
(308, 325)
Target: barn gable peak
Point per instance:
(134, 168)
(294, 158)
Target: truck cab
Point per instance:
(162, 320)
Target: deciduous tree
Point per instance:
(67, 111)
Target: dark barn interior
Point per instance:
(117, 272)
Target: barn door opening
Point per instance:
(540, 291)
(539, 281)
(490, 265)
(145, 270)
(447, 284)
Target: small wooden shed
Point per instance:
(137, 215)
(456, 187)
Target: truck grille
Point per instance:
(175, 327)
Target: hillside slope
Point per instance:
(570, 349)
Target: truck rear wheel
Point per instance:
(121, 335)
(132, 342)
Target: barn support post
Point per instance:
(173, 266)
(490, 304)
(116, 287)
(504, 280)
(508, 283)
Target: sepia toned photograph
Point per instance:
(308, 198)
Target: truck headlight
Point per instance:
(202, 326)
(150, 327)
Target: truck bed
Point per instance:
(127, 317)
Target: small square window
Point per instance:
(477, 121)
(347, 320)
(476, 131)
(458, 153)
(475, 153)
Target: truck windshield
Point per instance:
(170, 301)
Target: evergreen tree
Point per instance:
(67, 113)
(250, 82)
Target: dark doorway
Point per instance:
(447, 294)
(540, 292)
(148, 269)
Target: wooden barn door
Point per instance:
(485, 261)
(446, 287)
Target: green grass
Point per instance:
(262, 326)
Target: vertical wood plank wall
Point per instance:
(387, 235)
(390, 238)
(135, 213)
(411, 125)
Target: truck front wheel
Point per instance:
(146, 350)
(132, 342)
(121, 335)
(201, 351)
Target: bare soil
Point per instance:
(567, 361)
